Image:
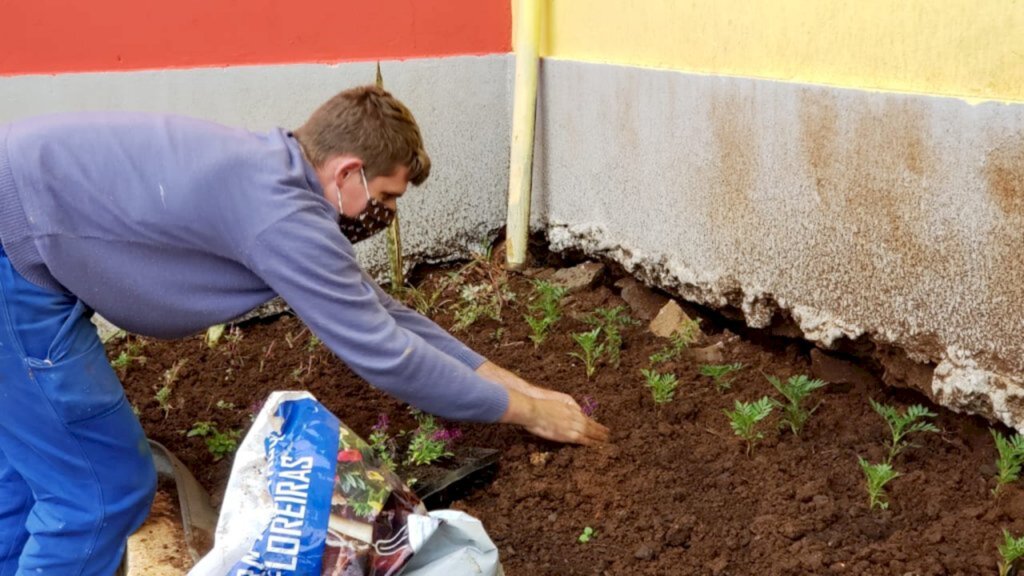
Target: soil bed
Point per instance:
(674, 492)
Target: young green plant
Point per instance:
(611, 321)
(130, 354)
(681, 339)
(877, 475)
(171, 375)
(719, 374)
(591, 349)
(430, 442)
(663, 386)
(746, 416)
(1011, 550)
(478, 301)
(218, 443)
(795, 390)
(545, 310)
(381, 442)
(1011, 456)
(587, 535)
(903, 424)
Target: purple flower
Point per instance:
(382, 423)
(589, 405)
(447, 435)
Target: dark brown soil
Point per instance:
(674, 492)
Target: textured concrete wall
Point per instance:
(896, 218)
(461, 103)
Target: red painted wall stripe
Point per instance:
(50, 36)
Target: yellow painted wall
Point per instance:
(972, 49)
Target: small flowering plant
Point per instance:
(382, 443)
(588, 405)
(430, 441)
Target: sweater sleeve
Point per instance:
(426, 328)
(305, 259)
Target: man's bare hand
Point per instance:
(510, 381)
(553, 419)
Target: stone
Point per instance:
(713, 354)
(679, 534)
(579, 277)
(643, 302)
(539, 273)
(540, 458)
(718, 565)
(645, 552)
(839, 371)
(669, 320)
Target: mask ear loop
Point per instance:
(365, 185)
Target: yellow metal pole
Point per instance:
(524, 112)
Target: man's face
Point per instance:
(385, 189)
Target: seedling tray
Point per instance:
(442, 483)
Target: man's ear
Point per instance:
(347, 165)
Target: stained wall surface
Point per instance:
(855, 168)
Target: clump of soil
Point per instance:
(674, 491)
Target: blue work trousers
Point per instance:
(76, 473)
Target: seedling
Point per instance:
(719, 374)
(426, 302)
(745, 418)
(663, 386)
(213, 335)
(878, 475)
(681, 339)
(588, 406)
(429, 442)
(313, 344)
(382, 443)
(290, 340)
(588, 341)
(222, 405)
(1011, 550)
(1011, 456)
(163, 398)
(587, 535)
(795, 390)
(266, 355)
(611, 321)
(545, 310)
(902, 425)
(130, 354)
(220, 444)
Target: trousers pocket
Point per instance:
(80, 385)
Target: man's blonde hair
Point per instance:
(370, 123)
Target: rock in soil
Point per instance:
(643, 302)
(669, 320)
(579, 277)
(713, 354)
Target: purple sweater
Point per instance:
(166, 225)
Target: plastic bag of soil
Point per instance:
(308, 497)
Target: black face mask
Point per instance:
(374, 218)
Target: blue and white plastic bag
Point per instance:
(308, 497)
